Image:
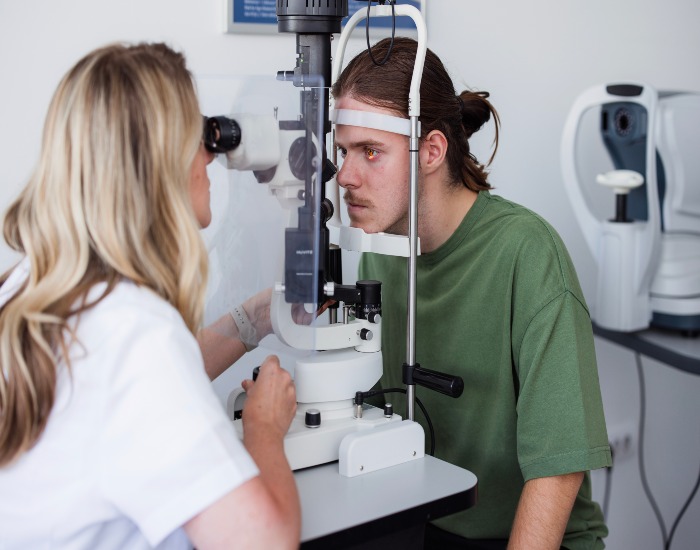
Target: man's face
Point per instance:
(374, 173)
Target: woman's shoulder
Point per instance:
(129, 298)
(129, 312)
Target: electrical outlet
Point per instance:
(623, 442)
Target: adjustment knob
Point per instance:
(256, 371)
(388, 410)
(312, 418)
(366, 334)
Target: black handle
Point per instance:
(447, 384)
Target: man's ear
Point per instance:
(433, 150)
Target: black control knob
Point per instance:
(256, 371)
(312, 418)
(388, 410)
(370, 299)
(366, 334)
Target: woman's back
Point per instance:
(94, 480)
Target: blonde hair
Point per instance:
(109, 200)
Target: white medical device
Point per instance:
(332, 422)
(648, 254)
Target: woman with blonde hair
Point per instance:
(110, 434)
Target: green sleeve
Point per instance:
(561, 426)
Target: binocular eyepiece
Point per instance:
(220, 134)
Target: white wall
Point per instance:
(40, 40)
(534, 57)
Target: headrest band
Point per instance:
(376, 121)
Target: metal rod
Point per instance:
(413, 113)
(412, 260)
(621, 207)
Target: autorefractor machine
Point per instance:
(648, 252)
(333, 421)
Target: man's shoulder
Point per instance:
(514, 216)
(522, 227)
(532, 242)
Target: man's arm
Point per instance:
(543, 512)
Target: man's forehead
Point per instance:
(356, 136)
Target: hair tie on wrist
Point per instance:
(246, 331)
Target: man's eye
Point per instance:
(342, 152)
(371, 153)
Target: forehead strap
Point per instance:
(375, 121)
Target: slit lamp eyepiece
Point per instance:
(220, 134)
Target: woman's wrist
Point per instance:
(246, 330)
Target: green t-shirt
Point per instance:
(499, 304)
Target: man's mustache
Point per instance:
(348, 197)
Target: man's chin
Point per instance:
(364, 226)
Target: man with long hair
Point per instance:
(498, 303)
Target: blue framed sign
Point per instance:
(260, 16)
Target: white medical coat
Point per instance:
(137, 442)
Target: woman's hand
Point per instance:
(257, 308)
(271, 401)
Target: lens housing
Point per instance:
(221, 134)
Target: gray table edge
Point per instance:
(345, 512)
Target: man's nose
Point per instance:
(346, 176)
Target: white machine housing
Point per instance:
(648, 267)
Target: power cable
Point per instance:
(642, 468)
(606, 497)
(393, 32)
(667, 539)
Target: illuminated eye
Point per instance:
(371, 153)
(342, 152)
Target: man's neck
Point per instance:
(440, 213)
